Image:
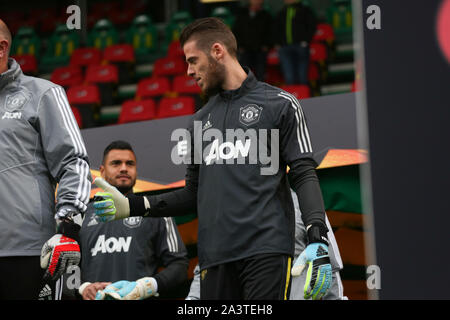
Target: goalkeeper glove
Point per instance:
(125, 290)
(315, 256)
(61, 250)
(112, 204)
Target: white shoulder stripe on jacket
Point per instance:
(69, 120)
(303, 138)
(172, 241)
(81, 167)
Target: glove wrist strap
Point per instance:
(69, 229)
(137, 205)
(317, 233)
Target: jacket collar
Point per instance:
(248, 84)
(11, 74)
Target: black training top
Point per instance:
(241, 144)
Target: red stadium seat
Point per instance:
(298, 91)
(169, 66)
(27, 63)
(318, 52)
(274, 76)
(86, 56)
(48, 18)
(67, 76)
(273, 58)
(183, 84)
(102, 74)
(133, 111)
(83, 94)
(123, 17)
(77, 116)
(119, 53)
(313, 72)
(87, 99)
(319, 55)
(175, 50)
(324, 32)
(106, 77)
(152, 87)
(173, 107)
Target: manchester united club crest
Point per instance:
(15, 101)
(132, 222)
(250, 114)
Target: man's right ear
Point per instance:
(102, 171)
(3, 48)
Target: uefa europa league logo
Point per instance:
(443, 28)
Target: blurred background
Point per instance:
(127, 51)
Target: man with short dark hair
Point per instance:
(132, 250)
(245, 210)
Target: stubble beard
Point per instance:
(215, 77)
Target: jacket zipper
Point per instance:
(225, 117)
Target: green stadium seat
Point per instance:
(176, 24)
(225, 14)
(26, 42)
(339, 15)
(143, 36)
(102, 35)
(61, 45)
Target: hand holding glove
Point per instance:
(129, 290)
(61, 250)
(112, 204)
(315, 256)
(89, 290)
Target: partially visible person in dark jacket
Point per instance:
(252, 31)
(295, 26)
(129, 252)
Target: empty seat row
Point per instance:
(149, 109)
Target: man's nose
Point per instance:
(190, 71)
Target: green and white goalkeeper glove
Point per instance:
(113, 205)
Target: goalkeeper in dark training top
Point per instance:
(241, 143)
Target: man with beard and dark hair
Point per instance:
(246, 219)
(131, 250)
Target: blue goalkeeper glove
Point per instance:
(319, 273)
(129, 290)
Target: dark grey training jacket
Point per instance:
(242, 198)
